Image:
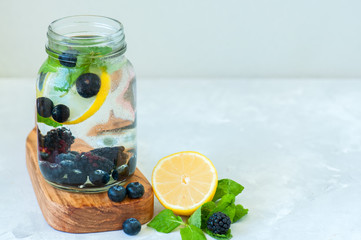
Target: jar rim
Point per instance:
(86, 31)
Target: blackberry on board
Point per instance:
(219, 223)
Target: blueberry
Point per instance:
(117, 193)
(65, 156)
(76, 177)
(135, 190)
(121, 172)
(44, 106)
(67, 165)
(99, 177)
(88, 85)
(68, 58)
(51, 171)
(131, 226)
(132, 164)
(60, 113)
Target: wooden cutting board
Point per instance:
(85, 212)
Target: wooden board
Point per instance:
(85, 212)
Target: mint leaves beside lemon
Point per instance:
(223, 201)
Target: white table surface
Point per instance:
(294, 144)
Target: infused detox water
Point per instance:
(86, 106)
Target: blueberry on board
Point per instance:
(51, 171)
(60, 113)
(68, 58)
(131, 226)
(44, 106)
(135, 190)
(99, 177)
(117, 193)
(121, 172)
(88, 85)
(132, 164)
(76, 177)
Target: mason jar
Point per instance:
(86, 106)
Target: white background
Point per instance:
(202, 38)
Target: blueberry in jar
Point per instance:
(88, 85)
(68, 58)
(131, 226)
(60, 113)
(99, 177)
(51, 171)
(67, 165)
(44, 106)
(65, 156)
(76, 177)
(117, 193)
(121, 172)
(135, 190)
(132, 163)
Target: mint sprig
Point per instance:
(224, 201)
(166, 221)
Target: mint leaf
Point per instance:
(196, 218)
(230, 211)
(191, 232)
(240, 212)
(225, 202)
(207, 208)
(50, 65)
(226, 186)
(95, 51)
(165, 221)
(226, 236)
(48, 121)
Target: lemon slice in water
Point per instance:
(80, 108)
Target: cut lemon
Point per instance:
(80, 108)
(184, 181)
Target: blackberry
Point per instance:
(91, 162)
(112, 153)
(60, 113)
(117, 193)
(44, 106)
(88, 85)
(99, 177)
(68, 58)
(59, 139)
(219, 223)
(135, 190)
(131, 226)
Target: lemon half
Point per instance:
(184, 181)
